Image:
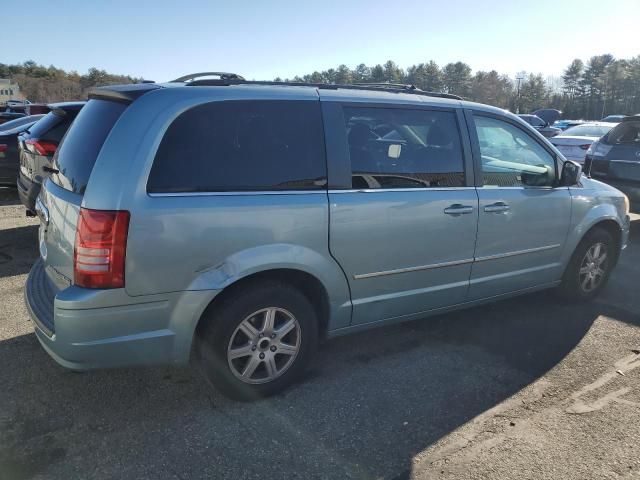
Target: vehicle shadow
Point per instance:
(18, 250)
(371, 402)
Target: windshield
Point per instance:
(587, 131)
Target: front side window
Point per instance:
(512, 158)
(242, 146)
(403, 148)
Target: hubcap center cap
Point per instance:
(264, 344)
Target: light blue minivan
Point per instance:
(245, 221)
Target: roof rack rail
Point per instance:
(404, 86)
(221, 75)
(378, 87)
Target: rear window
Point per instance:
(52, 126)
(242, 146)
(626, 132)
(80, 146)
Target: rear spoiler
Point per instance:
(122, 93)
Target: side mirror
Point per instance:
(571, 173)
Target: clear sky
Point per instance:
(164, 39)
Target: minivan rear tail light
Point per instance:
(3, 147)
(41, 147)
(100, 248)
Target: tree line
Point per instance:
(50, 84)
(589, 90)
(601, 86)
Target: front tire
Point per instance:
(590, 266)
(258, 340)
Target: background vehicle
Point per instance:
(8, 116)
(539, 124)
(19, 122)
(9, 158)
(564, 124)
(615, 159)
(574, 142)
(37, 146)
(549, 115)
(37, 108)
(613, 118)
(229, 215)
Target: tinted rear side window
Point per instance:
(80, 146)
(243, 146)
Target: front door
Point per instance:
(523, 217)
(404, 229)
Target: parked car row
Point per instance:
(574, 142)
(9, 154)
(615, 159)
(244, 221)
(36, 149)
(541, 125)
(565, 124)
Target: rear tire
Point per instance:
(590, 267)
(258, 340)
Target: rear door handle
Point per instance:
(496, 207)
(458, 209)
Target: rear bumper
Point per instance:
(28, 192)
(85, 329)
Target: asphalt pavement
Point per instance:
(528, 388)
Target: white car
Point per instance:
(574, 142)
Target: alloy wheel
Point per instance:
(264, 345)
(593, 267)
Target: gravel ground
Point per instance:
(527, 388)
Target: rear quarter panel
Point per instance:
(207, 242)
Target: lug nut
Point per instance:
(261, 335)
(273, 335)
(253, 348)
(262, 356)
(273, 348)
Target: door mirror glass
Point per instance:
(571, 173)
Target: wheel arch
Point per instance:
(307, 283)
(609, 225)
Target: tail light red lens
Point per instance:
(3, 147)
(585, 147)
(100, 248)
(42, 147)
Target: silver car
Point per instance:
(246, 221)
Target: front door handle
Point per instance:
(458, 209)
(496, 207)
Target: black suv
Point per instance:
(615, 159)
(37, 147)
